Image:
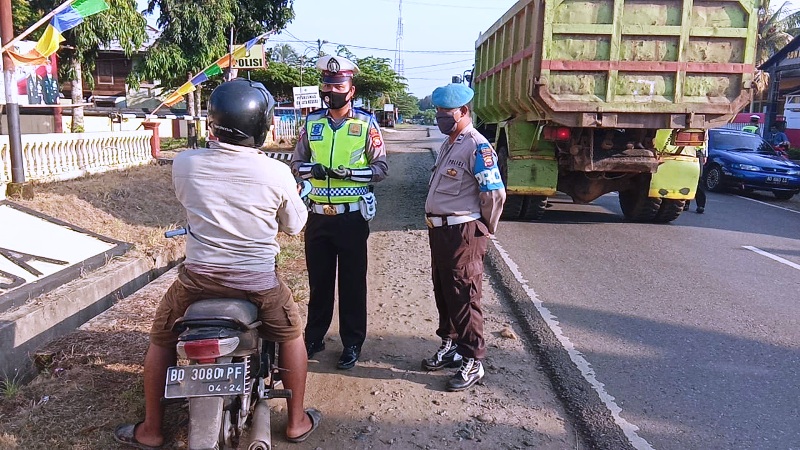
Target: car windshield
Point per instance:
(738, 142)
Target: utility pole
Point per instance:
(17, 187)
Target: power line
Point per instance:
(494, 8)
(441, 64)
(437, 52)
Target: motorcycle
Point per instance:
(229, 373)
(783, 149)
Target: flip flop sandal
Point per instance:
(126, 434)
(316, 418)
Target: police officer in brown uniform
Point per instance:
(465, 199)
(340, 151)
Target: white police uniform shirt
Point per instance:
(466, 180)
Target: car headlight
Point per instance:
(793, 172)
(746, 167)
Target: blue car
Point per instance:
(743, 160)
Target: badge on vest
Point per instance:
(316, 132)
(354, 129)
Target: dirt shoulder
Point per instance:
(386, 401)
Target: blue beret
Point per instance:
(454, 95)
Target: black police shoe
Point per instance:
(314, 347)
(446, 356)
(700, 210)
(349, 357)
(471, 372)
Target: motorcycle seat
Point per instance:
(220, 312)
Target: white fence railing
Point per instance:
(64, 156)
(285, 130)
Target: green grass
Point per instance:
(10, 387)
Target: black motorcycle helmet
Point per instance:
(240, 112)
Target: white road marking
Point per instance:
(769, 204)
(773, 257)
(577, 358)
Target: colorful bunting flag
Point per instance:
(53, 36)
(239, 51)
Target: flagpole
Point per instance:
(230, 55)
(33, 27)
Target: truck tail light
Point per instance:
(690, 137)
(206, 350)
(556, 133)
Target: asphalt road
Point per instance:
(691, 328)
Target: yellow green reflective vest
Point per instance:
(345, 146)
(750, 129)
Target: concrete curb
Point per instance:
(25, 329)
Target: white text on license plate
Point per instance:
(777, 180)
(201, 380)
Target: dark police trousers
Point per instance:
(330, 240)
(457, 253)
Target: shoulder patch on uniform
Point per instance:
(360, 114)
(354, 129)
(487, 154)
(375, 137)
(317, 114)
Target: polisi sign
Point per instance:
(253, 59)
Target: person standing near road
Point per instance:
(753, 126)
(341, 151)
(463, 207)
(700, 195)
(237, 200)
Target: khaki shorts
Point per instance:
(277, 311)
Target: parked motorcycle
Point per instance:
(228, 375)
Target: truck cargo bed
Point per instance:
(617, 63)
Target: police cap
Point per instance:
(454, 95)
(336, 69)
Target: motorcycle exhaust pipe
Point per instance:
(261, 433)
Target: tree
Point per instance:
(406, 104)
(425, 103)
(121, 22)
(776, 28)
(24, 16)
(192, 38)
(280, 78)
(376, 78)
(283, 53)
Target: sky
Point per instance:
(438, 35)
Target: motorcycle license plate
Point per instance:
(205, 380)
(777, 180)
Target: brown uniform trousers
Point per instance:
(457, 253)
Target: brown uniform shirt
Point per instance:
(466, 180)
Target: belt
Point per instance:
(441, 221)
(332, 210)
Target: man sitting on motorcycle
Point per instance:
(237, 200)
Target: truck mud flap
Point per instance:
(676, 178)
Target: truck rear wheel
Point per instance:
(669, 210)
(512, 209)
(636, 205)
(515, 205)
(534, 207)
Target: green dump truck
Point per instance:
(591, 97)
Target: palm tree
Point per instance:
(776, 28)
(284, 53)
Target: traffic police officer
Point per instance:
(753, 126)
(340, 150)
(465, 199)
